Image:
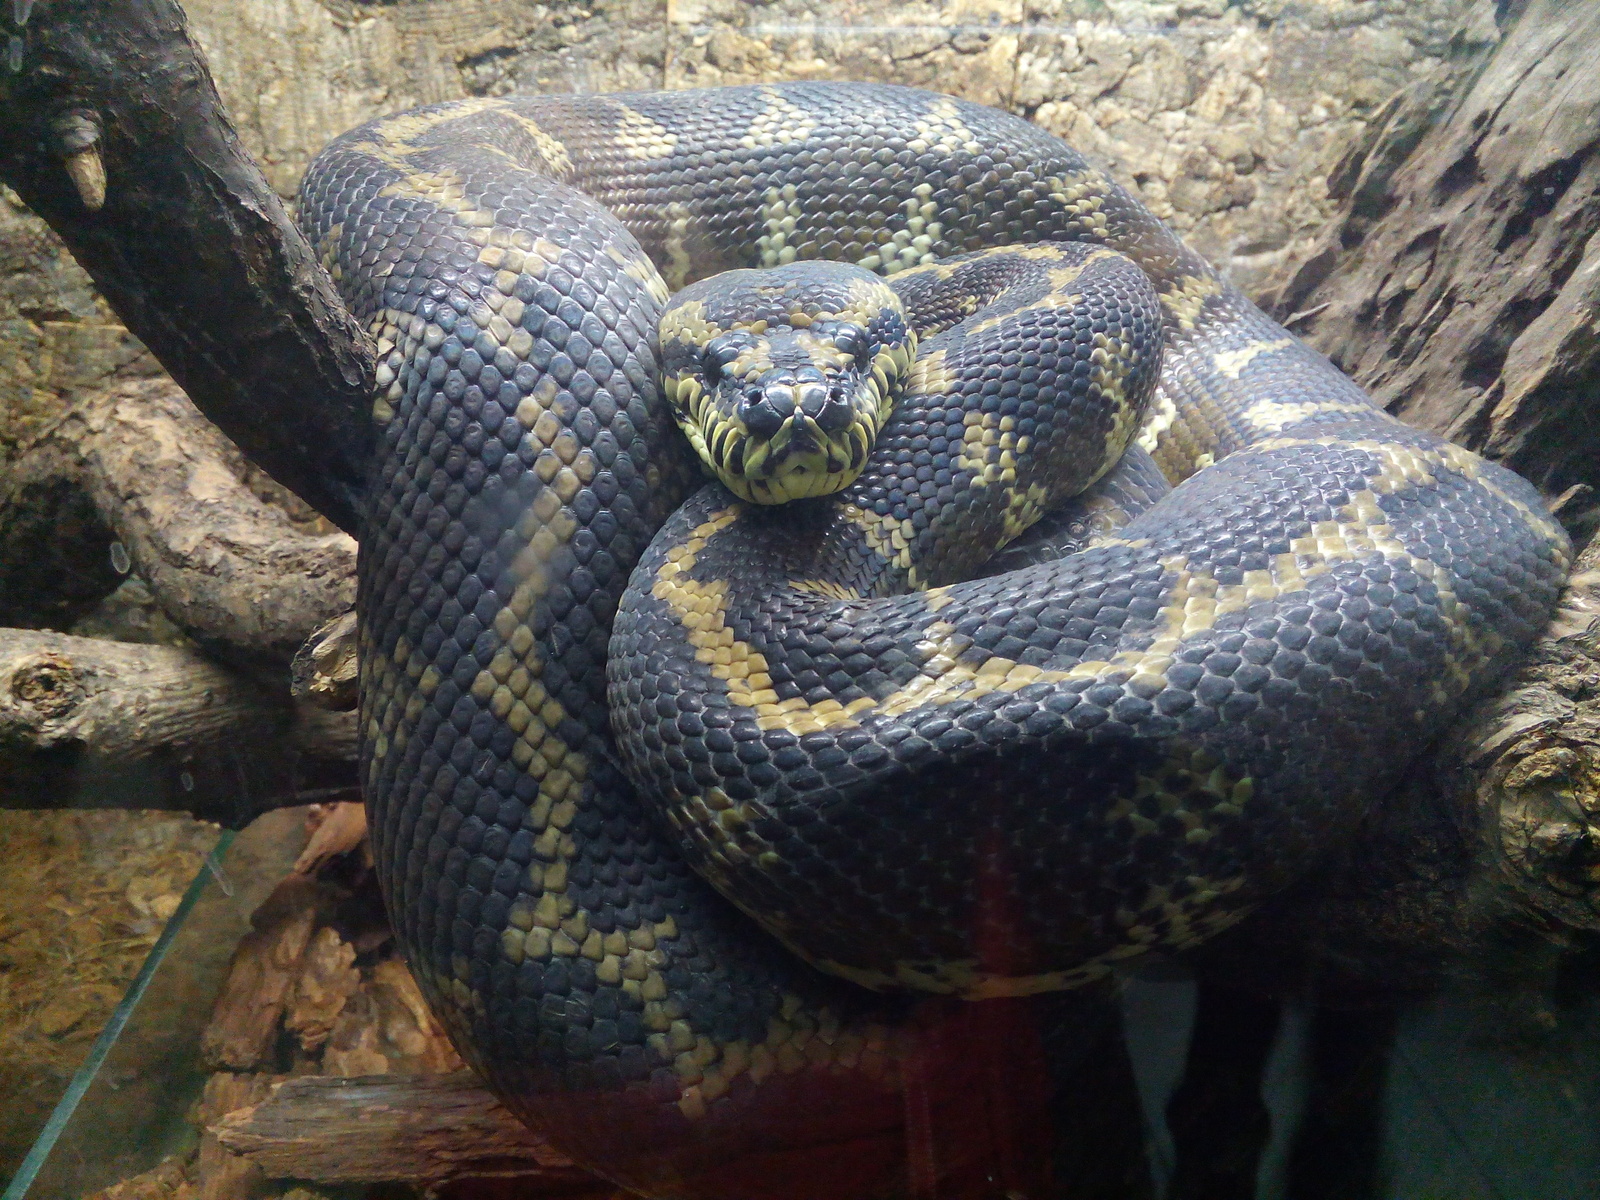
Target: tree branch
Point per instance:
(86, 723)
(1459, 282)
(424, 1129)
(113, 132)
(139, 465)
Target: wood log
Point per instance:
(424, 1129)
(112, 131)
(137, 465)
(86, 723)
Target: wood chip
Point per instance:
(387, 1027)
(326, 981)
(245, 1020)
(172, 1180)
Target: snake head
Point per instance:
(782, 378)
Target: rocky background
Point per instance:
(1227, 116)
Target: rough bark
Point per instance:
(1460, 282)
(111, 130)
(424, 1129)
(86, 723)
(324, 671)
(138, 466)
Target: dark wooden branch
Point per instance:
(86, 723)
(112, 131)
(139, 465)
(424, 1129)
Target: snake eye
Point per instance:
(853, 341)
(716, 358)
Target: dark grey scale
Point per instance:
(1031, 371)
(1125, 491)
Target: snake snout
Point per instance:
(779, 395)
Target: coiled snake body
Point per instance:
(984, 789)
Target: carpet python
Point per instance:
(932, 782)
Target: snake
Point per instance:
(1022, 600)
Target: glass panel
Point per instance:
(1410, 1012)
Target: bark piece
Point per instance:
(324, 671)
(387, 1027)
(137, 466)
(244, 1023)
(412, 1128)
(171, 1180)
(190, 245)
(86, 723)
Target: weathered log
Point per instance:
(138, 466)
(425, 1129)
(1460, 282)
(86, 723)
(112, 131)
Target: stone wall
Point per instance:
(1226, 115)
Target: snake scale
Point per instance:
(920, 776)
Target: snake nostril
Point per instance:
(814, 398)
